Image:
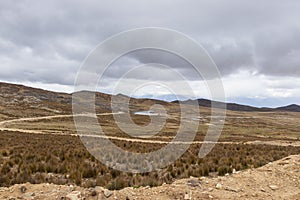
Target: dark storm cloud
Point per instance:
(231, 56)
(278, 53)
(46, 41)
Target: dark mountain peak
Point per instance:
(292, 108)
(228, 106)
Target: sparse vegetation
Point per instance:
(55, 157)
(64, 160)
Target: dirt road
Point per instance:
(3, 127)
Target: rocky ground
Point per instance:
(277, 180)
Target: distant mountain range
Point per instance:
(292, 108)
(19, 96)
(239, 107)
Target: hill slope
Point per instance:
(292, 108)
(23, 97)
(239, 107)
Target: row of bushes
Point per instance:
(64, 160)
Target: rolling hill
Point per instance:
(239, 107)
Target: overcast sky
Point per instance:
(255, 44)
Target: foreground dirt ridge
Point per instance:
(277, 180)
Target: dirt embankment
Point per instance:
(277, 180)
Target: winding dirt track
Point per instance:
(138, 140)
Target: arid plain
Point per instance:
(39, 143)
